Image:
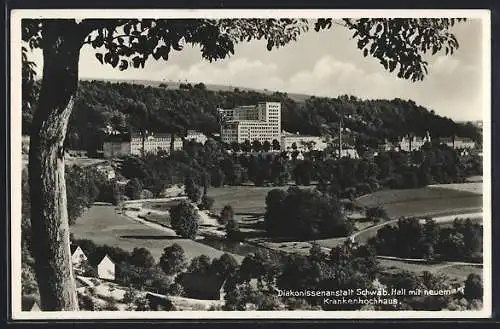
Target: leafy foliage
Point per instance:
(207, 202)
(411, 239)
(473, 287)
(173, 259)
(375, 213)
(305, 214)
(142, 257)
(400, 43)
(133, 189)
(192, 189)
(184, 219)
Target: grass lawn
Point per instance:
(474, 220)
(422, 201)
(103, 225)
(157, 218)
(473, 187)
(161, 205)
(455, 272)
(247, 202)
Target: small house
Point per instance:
(30, 303)
(77, 255)
(106, 269)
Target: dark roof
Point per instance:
(201, 286)
(28, 301)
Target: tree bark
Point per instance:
(62, 41)
(172, 141)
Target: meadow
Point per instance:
(103, 225)
(424, 201)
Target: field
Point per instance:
(455, 272)
(157, 218)
(427, 201)
(161, 205)
(473, 186)
(247, 202)
(103, 225)
(423, 201)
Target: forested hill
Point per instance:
(132, 107)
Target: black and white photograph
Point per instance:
(184, 164)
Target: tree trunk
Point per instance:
(143, 141)
(172, 143)
(49, 215)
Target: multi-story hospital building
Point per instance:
(254, 122)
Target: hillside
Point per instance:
(134, 106)
(173, 85)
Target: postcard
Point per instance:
(265, 164)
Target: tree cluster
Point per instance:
(184, 219)
(410, 238)
(304, 214)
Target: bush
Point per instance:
(193, 191)
(376, 212)
(184, 220)
(233, 230)
(142, 258)
(473, 287)
(147, 194)
(226, 215)
(207, 203)
(133, 189)
(86, 302)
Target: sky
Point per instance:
(325, 63)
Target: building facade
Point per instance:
(414, 143)
(116, 145)
(459, 142)
(132, 144)
(154, 143)
(350, 153)
(198, 137)
(302, 143)
(106, 269)
(77, 256)
(107, 171)
(260, 122)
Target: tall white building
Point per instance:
(260, 122)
